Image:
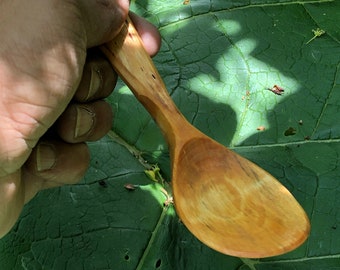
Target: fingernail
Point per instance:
(46, 157)
(95, 82)
(85, 120)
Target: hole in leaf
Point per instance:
(127, 257)
(102, 183)
(158, 263)
(290, 131)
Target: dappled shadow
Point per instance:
(243, 52)
(217, 65)
(96, 224)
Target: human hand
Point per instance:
(50, 93)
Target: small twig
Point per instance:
(317, 33)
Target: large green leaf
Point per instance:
(218, 58)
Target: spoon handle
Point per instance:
(133, 64)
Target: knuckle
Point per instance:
(14, 151)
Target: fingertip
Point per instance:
(148, 32)
(11, 201)
(103, 19)
(85, 122)
(98, 80)
(54, 163)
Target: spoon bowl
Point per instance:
(232, 205)
(225, 200)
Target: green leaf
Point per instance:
(218, 60)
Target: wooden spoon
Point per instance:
(226, 201)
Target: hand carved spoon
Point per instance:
(226, 201)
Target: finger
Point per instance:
(54, 163)
(85, 122)
(99, 77)
(98, 80)
(11, 201)
(103, 19)
(148, 32)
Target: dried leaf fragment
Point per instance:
(131, 186)
(169, 199)
(276, 90)
(246, 96)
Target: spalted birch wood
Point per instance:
(226, 201)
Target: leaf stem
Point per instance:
(250, 263)
(154, 233)
(133, 150)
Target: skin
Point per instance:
(51, 91)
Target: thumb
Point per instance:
(103, 19)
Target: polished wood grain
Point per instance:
(226, 201)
